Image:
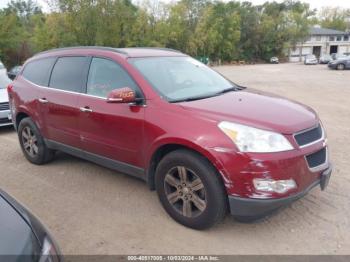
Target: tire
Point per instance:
(32, 143)
(198, 204)
(340, 67)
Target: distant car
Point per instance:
(274, 60)
(336, 56)
(14, 72)
(22, 236)
(2, 68)
(5, 115)
(340, 64)
(310, 60)
(325, 59)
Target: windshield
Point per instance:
(4, 80)
(181, 78)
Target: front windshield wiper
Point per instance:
(230, 89)
(191, 98)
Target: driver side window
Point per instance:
(105, 76)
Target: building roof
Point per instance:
(325, 31)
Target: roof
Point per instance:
(128, 52)
(325, 31)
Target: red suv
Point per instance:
(205, 144)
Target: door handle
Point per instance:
(85, 109)
(43, 100)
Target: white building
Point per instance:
(320, 42)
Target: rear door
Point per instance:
(111, 130)
(60, 101)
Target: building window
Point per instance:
(346, 38)
(331, 38)
(318, 38)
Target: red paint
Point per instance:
(132, 134)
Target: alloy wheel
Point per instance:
(341, 67)
(185, 191)
(30, 142)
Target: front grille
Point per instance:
(309, 136)
(317, 159)
(4, 106)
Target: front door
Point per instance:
(113, 131)
(60, 100)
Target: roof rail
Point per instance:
(153, 48)
(117, 50)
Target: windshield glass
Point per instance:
(4, 80)
(181, 78)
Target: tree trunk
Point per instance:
(301, 51)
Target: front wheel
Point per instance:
(341, 67)
(190, 189)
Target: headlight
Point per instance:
(250, 139)
(278, 186)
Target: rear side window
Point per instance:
(69, 74)
(105, 76)
(38, 72)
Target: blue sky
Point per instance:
(314, 3)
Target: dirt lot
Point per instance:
(92, 210)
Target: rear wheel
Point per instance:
(190, 189)
(341, 67)
(32, 143)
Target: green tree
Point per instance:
(335, 18)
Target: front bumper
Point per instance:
(332, 66)
(311, 63)
(5, 118)
(250, 207)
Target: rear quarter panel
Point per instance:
(24, 99)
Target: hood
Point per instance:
(3, 95)
(257, 109)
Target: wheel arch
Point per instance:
(341, 64)
(165, 148)
(19, 117)
(23, 111)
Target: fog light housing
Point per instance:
(276, 186)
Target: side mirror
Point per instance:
(121, 95)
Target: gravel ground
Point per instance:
(92, 210)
